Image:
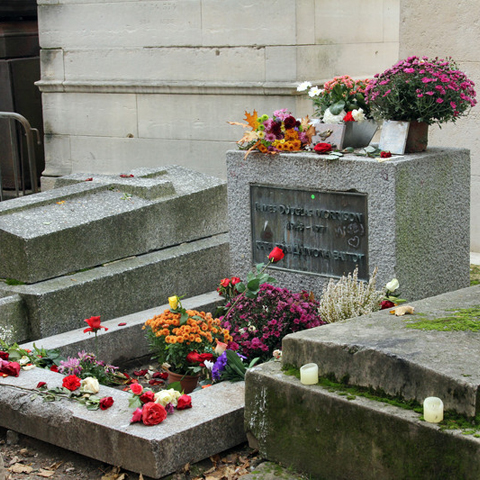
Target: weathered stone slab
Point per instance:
(127, 286)
(414, 203)
(13, 319)
(85, 224)
(125, 338)
(214, 424)
(379, 351)
(329, 436)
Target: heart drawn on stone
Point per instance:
(354, 242)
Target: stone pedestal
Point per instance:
(408, 216)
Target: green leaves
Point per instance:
(337, 107)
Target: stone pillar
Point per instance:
(408, 216)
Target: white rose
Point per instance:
(167, 396)
(329, 117)
(392, 285)
(90, 385)
(358, 115)
(24, 360)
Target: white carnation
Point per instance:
(304, 86)
(358, 115)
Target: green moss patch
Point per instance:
(474, 275)
(451, 420)
(461, 320)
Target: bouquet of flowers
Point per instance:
(280, 133)
(176, 335)
(424, 90)
(341, 99)
(258, 324)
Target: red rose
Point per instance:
(385, 154)
(136, 388)
(386, 304)
(225, 282)
(10, 368)
(322, 148)
(147, 397)
(137, 416)
(41, 384)
(71, 382)
(153, 413)
(183, 402)
(54, 368)
(193, 357)
(4, 355)
(276, 255)
(106, 402)
(162, 375)
(93, 325)
(140, 373)
(348, 117)
(235, 280)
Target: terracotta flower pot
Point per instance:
(188, 382)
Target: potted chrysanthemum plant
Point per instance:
(415, 93)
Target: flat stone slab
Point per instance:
(328, 436)
(84, 224)
(214, 424)
(379, 351)
(123, 287)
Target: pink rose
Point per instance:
(137, 416)
(136, 388)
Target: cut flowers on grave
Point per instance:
(281, 132)
(422, 90)
(152, 408)
(341, 99)
(176, 333)
(73, 388)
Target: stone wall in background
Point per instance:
(129, 83)
(450, 29)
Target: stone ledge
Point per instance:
(378, 351)
(216, 417)
(325, 435)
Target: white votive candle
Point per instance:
(309, 374)
(433, 410)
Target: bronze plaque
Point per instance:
(323, 233)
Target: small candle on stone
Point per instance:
(433, 410)
(309, 374)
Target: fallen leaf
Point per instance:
(20, 468)
(61, 202)
(45, 473)
(400, 311)
(55, 466)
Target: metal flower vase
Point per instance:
(348, 134)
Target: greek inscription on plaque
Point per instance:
(320, 232)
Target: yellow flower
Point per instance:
(173, 302)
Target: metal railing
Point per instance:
(18, 163)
